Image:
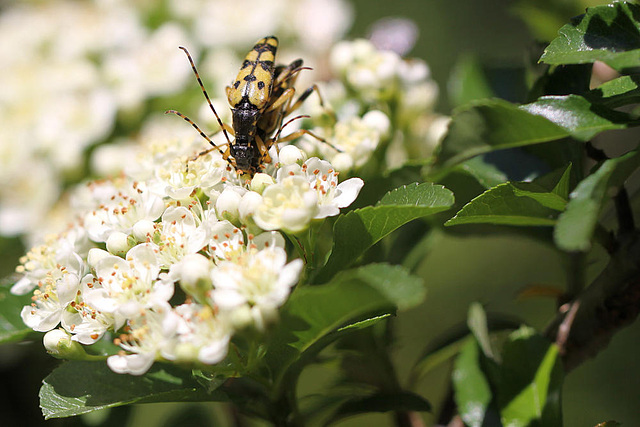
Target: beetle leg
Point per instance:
(286, 96)
(263, 148)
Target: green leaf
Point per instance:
(472, 391)
(512, 203)
(582, 119)
(12, 328)
(488, 175)
(624, 90)
(365, 323)
(360, 229)
(495, 124)
(435, 357)
(468, 82)
(393, 281)
(577, 224)
(531, 381)
(609, 33)
(314, 313)
(477, 322)
(80, 387)
(491, 125)
(557, 182)
(382, 402)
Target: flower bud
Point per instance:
(240, 317)
(290, 154)
(227, 205)
(186, 353)
(95, 255)
(118, 243)
(379, 121)
(261, 181)
(193, 273)
(248, 206)
(143, 229)
(342, 162)
(58, 343)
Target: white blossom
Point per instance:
(50, 301)
(125, 287)
(287, 205)
(258, 280)
(204, 336)
(153, 336)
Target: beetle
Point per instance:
(260, 97)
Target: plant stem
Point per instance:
(624, 212)
(585, 325)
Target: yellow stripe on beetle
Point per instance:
(254, 82)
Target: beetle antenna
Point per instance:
(195, 71)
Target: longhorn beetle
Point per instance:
(260, 97)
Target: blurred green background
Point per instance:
(464, 267)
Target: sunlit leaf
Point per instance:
(608, 33)
(360, 229)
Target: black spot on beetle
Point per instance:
(260, 85)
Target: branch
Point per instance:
(585, 325)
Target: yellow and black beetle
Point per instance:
(260, 97)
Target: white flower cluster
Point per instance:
(378, 97)
(67, 68)
(191, 223)
(70, 70)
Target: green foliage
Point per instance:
(12, 328)
(520, 386)
(358, 230)
(517, 203)
(577, 223)
(345, 308)
(77, 388)
(610, 34)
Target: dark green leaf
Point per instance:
(436, 356)
(512, 203)
(609, 33)
(531, 381)
(578, 116)
(471, 387)
(491, 125)
(487, 174)
(382, 402)
(360, 229)
(314, 312)
(79, 387)
(557, 182)
(12, 328)
(576, 225)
